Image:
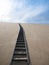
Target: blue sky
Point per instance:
(24, 11)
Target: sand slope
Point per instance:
(8, 37)
(38, 42)
(37, 36)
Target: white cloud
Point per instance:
(25, 13)
(5, 8)
(17, 11)
(32, 13)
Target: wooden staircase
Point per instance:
(21, 55)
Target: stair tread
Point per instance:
(20, 45)
(19, 58)
(20, 53)
(20, 42)
(20, 48)
(19, 63)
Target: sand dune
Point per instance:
(38, 42)
(37, 36)
(8, 37)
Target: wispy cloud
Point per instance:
(5, 8)
(22, 10)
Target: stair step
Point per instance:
(20, 45)
(21, 39)
(20, 42)
(20, 56)
(20, 48)
(19, 59)
(20, 53)
(19, 63)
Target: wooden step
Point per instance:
(20, 48)
(17, 59)
(20, 53)
(20, 45)
(20, 56)
(20, 42)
